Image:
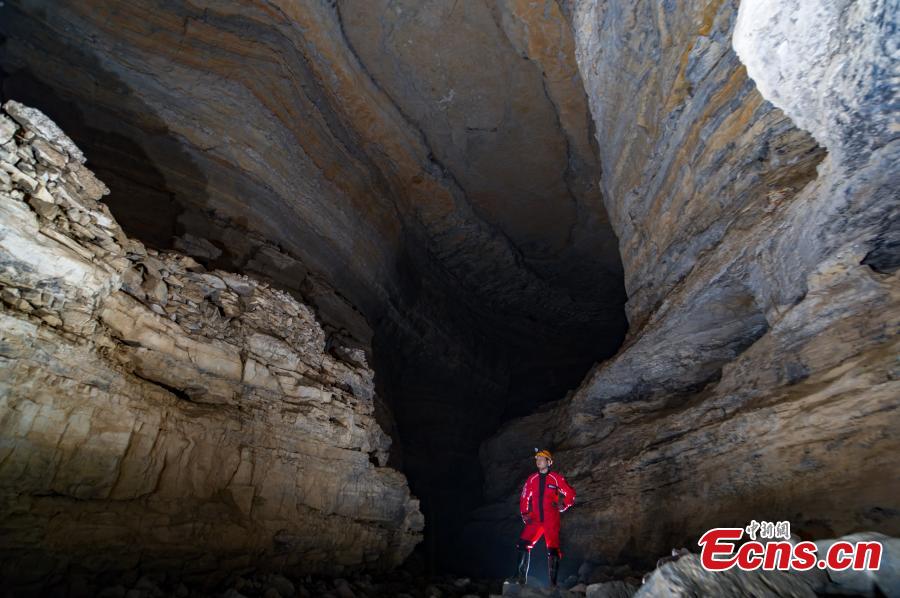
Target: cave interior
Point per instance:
(468, 322)
(611, 229)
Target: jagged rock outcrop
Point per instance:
(158, 416)
(758, 377)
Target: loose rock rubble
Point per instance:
(686, 577)
(397, 584)
(681, 575)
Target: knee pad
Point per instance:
(522, 545)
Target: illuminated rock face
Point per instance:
(756, 380)
(162, 416)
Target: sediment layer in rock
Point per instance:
(158, 416)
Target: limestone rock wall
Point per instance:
(758, 379)
(690, 149)
(156, 415)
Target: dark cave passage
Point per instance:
(449, 397)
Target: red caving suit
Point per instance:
(543, 498)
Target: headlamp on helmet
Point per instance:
(543, 453)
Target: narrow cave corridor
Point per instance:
(291, 291)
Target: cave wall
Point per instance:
(758, 377)
(440, 207)
(156, 416)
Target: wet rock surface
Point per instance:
(158, 416)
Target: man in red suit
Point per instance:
(544, 496)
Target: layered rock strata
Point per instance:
(432, 161)
(155, 415)
(759, 377)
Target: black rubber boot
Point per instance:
(523, 560)
(552, 566)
